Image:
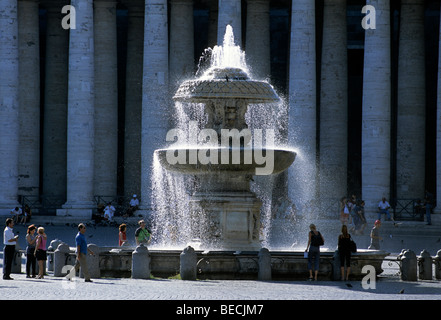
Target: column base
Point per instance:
(75, 209)
(6, 207)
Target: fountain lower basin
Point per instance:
(281, 160)
(236, 265)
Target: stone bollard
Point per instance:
(50, 257)
(264, 272)
(16, 261)
(438, 265)
(141, 263)
(336, 273)
(425, 266)
(188, 264)
(93, 262)
(408, 265)
(60, 258)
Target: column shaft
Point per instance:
(55, 105)
(334, 103)
(181, 41)
(229, 13)
(438, 133)
(106, 98)
(302, 102)
(9, 128)
(80, 121)
(155, 95)
(29, 101)
(376, 111)
(133, 100)
(411, 117)
(258, 38)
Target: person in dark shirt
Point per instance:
(82, 252)
(315, 240)
(344, 251)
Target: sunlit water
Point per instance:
(173, 224)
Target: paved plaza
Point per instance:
(387, 287)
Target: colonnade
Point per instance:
(80, 96)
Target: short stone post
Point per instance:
(408, 265)
(264, 272)
(188, 264)
(141, 263)
(336, 272)
(50, 257)
(16, 262)
(425, 266)
(60, 256)
(438, 265)
(93, 262)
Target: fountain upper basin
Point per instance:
(281, 160)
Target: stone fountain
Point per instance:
(226, 212)
(222, 156)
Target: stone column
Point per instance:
(181, 42)
(258, 38)
(229, 13)
(29, 101)
(106, 98)
(376, 113)
(9, 88)
(302, 102)
(55, 103)
(212, 22)
(133, 100)
(334, 103)
(155, 96)
(411, 118)
(437, 209)
(80, 114)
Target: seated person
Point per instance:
(109, 212)
(26, 217)
(133, 206)
(16, 213)
(383, 208)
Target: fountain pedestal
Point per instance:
(227, 220)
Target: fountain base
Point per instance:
(230, 220)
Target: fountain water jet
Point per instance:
(223, 211)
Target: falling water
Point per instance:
(173, 222)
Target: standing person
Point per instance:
(344, 211)
(81, 252)
(122, 235)
(9, 240)
(31, 240)
(428, 203)
(142, 234)
(40, 251)
(344, 251)
(375, 236)
(315, 240)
